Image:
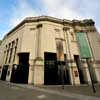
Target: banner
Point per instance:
(85, 51)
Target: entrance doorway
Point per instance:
(4, 72)
(51, 69)
(20, 72)
(78, 63)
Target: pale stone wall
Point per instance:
(12, 37)
(50, 32)
(72, 49)
(94, 43)
(2, 48)
(49, 37)
(94, 40)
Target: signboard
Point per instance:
(76, 73)
(60, 52)
(85, 51)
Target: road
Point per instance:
(14, 92)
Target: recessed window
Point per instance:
(32, 29)
(57, 30)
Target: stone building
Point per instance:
(29, 53)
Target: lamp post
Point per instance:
(92, 83)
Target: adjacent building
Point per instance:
(46, 50)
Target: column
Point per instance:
(37, 71)
(10, 63)
(65, 29)
(8, 53)
(74, 75)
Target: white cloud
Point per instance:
(60, 8)
(20, 11)
(71, 9)
(68, 9)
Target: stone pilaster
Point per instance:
(39, 72)
(31, 72)
(65, 30)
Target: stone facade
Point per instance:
(37, 35)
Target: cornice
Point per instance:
(52, 19)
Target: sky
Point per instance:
(13, 12)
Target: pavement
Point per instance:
(79, 89)
(12, 91)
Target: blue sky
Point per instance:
(14, 11)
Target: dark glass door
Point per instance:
(20, 72)
(4, 72)
(51, 69)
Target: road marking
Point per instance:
(41, 96)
